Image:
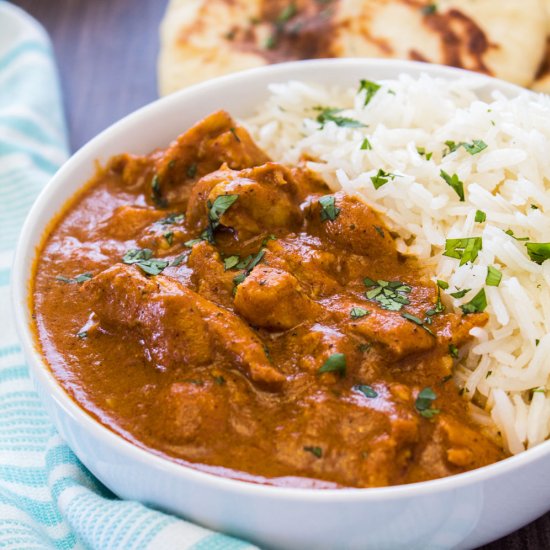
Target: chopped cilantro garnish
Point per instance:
(453, 351)
(230, 262)
(379, 230)
(142, 257)
(364, 347)
(172, 219)
(417, 321)
(365, 145)
(454, 182)
(329, 114)
(329, 210)
(178, 260)
(424, 401)
(381, 178)
(389, 294)
(270, 42)
(367, 391)
(428, 9)
(442, 284)
(192, 243)
(460, 293)
(480, 216)
(238, 279)
(465, 250)
(370, 89)
(422, 152)
(136, 255)
(83, 277)
(169, 236)
(477, 304)
(219, 380)
(315, 451)
(511, 233)
(270, 237)
(358, 312)
(216, 209)
(538, 252)
(248, 264)
(475, 147)
(335, 363)
(156, 195)
(287, 13)
(452, 147)
(494, 276)
(82, 334)
(192, 170)
(439, 307)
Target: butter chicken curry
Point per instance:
(234, 314)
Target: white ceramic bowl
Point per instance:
(462, 511)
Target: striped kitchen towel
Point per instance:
(47, 498)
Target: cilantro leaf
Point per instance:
(477, 304)
(381, 178)
(494, 276)
(83, 277)
(480, 216)
(358, 312)
(367, 391)
(424, 401)
(465, 250)
(315, 451)
(454, 182)
(417, 321)
(389, 294)
(366, 145)
(335, 363)
(370, 88)
(142, 257)
(475, 147)
(460, 293)
(538, 252)
(329, 210)
(329, 114)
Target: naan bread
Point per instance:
(201, 39)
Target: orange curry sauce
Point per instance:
(231, 313)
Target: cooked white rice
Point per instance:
(509, 362)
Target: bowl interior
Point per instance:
(154, 126)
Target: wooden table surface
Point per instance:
(106, 52)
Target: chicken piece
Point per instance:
(197, 210)
(369, 444)
(313, 266)
(356, 227)
(455, 447)
(273, 299)
(209, 276)
(127, 222)
(267, 200)
(135, 171)
(398, 335)
(189, 408)
(313, 344)
(215, 140)
(179, 328)
(308, 182)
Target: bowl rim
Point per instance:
(40, 371)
